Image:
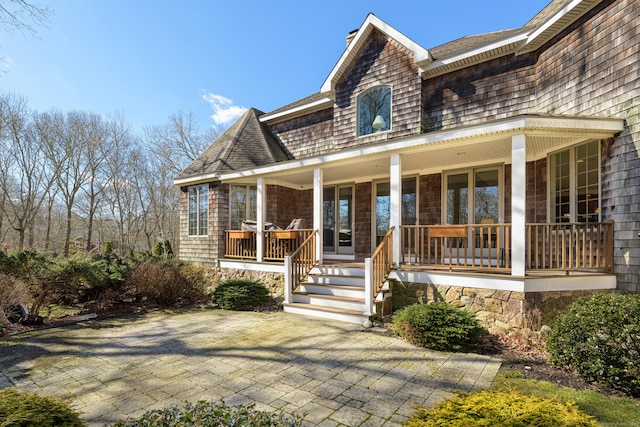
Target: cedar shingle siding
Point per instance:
(590, 69)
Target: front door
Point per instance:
(338, 219)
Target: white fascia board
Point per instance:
(420, 54)
(555, 18)
(480, 52)
(299, 110)
(196, 179)
(530, 124)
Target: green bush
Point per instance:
(497, 408)
(599, 337)
(240, 294)
(22, 409)
(208, 414)
(438, 325)
(162, 283)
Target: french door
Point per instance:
(382, 206)
(337, 216)
(475, 196)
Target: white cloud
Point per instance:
(6, 64)
(223, 109)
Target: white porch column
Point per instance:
(395, 217)
(518, 204)
(261, 212)
(318, 221)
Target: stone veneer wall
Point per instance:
(274, 282)
(499, 311)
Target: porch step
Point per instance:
(339, 314)
(331, 292)
(348, 291)
(333, 301)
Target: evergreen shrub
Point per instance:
(24, 409)
(439, 326)
(240, 295)
(498, 408)
(599, 337)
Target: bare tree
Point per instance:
(68, 143)
(25, 175)
(120, 191)
(179, 141)
(23, 16)
(172, 147)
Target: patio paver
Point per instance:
(337, 374)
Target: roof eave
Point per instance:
(473, 57)
(198, 179)
(298, 111)
(599, 128)
(558, 22)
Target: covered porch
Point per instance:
(450, 207)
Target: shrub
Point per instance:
(198, 276)
(162, 283)
(168, 249)
(22, 409)
(209, 414)
(240, 294)
(438, 325)
(158, 249)
(498, 408)
(599, 338)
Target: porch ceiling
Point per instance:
(437, 151)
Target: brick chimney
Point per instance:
(350, 36)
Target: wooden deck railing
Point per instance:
(563, 246)
(377, 269)
(300, 263)
(241, 244)
(475, 246)
(570, 246)
(280, 243)
(382, 262)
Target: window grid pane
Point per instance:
(560, 187)
(203, 210)
(587, 195)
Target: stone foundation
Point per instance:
(274, 282)
(499, 311)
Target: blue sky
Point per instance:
(148, 59)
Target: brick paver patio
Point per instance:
(337, 374)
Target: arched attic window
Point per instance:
(374, 110)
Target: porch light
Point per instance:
(379, 123)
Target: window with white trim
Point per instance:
(374, 110)
(574, 184)
(243, 204)
(198, 210)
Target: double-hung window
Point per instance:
(198, 210)
(574, 184)
(242, 204)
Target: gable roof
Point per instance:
(420, 54)
(245, 145)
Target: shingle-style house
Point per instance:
(499, 171)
